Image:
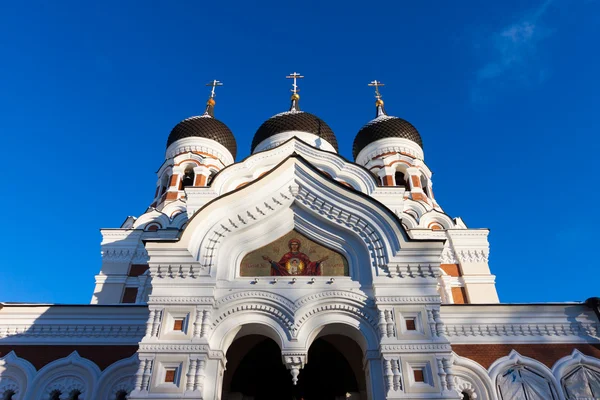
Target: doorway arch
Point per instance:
(255, 371)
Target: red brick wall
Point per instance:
(548, 354)
(39, 356)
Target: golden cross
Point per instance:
(377, 84)
(214, 84)
(295, 76)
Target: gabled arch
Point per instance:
(435, 216)
(67, 374)
(472, 378)
(296, 196)
(16, 375)
(120, 375)
(335, 165)
(501, 365)
(567, 365)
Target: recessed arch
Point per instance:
(68, 374)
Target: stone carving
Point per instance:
(448, 256)
(473, 256)
(580, 329)
(66, 386)
(463, 386)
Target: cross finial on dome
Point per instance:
(379, 102)
(210, 104)
(295, 96)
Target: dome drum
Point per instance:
(283, 126)
(205, 132)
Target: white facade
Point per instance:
(419, 295)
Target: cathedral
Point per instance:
(296, 273)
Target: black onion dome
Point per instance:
(294, 121)
(382, 127)
(206, 127)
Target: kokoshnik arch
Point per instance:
(297, 274)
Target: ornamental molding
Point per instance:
(296, 192)
(335, 165)
(137, 256)
(66, 386)
(360, 313)
(256, 294)
(285, 319)
(199, 145)
(429, 347)
(406, 299)
(174, 347)
(473, 256)
(72, 331)
(586, 330)
(7, 384)
(448, 256)
(286, 312)
(334, 295)
(195, 300)
(390, 145)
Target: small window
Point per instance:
(210, 178)
(8, 395)
(425, 185)
(411, 324)
(188, 176)
(152, 228)
(465, 396)
(400, 179)
(178, 325)
(121, 395)
(170, 375)
(419, 375)
(130, 295)
(74, 395)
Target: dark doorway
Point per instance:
(255, 370)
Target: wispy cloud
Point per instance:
(513, 54)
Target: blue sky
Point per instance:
(505, 95)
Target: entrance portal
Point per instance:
(255, 371)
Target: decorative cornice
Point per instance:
(424, 347)
(199, 300)
(407, 299)
(448, 256)
(473, 256)
(523, 330)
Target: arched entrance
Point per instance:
(255, 371)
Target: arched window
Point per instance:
(210, 177)
(425, 185)
(74, 395)
(522, 382)
(55, 395)
(121, 395)
(401, 180)
(8, 395)
(465, 396)
(582, 383)
(188, 176)
(164, 184)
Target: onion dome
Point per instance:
(205, 126)
(384, 127)
(281, 127)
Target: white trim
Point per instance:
(388, 145)
(280, 138)
(200, 144)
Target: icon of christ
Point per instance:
(295, 262)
